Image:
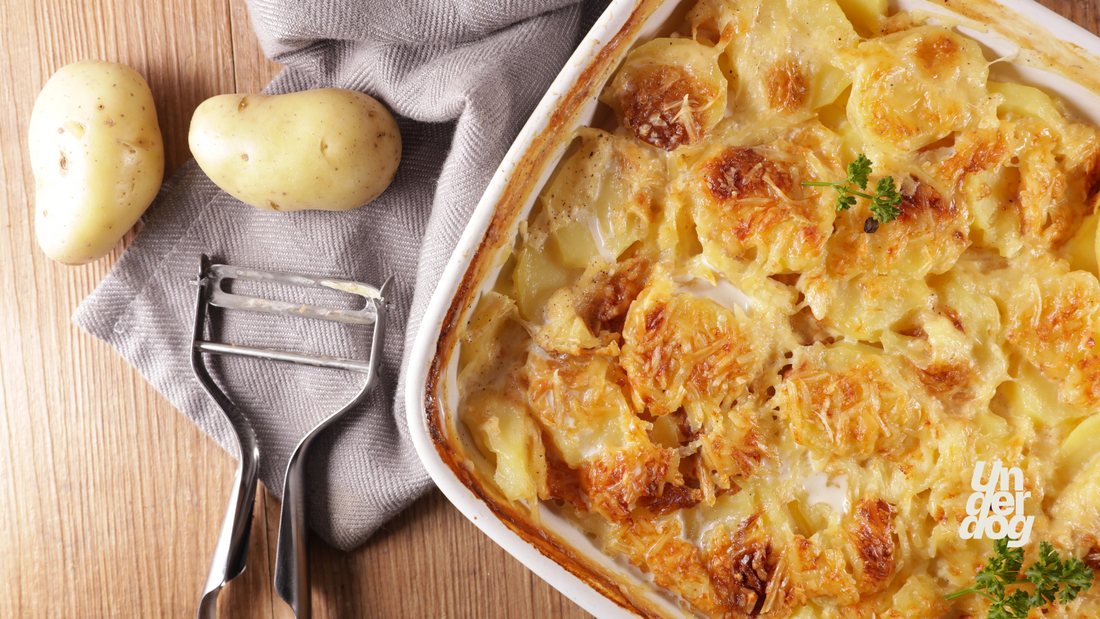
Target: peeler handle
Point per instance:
(291, 579)
(231, 550)
(292, 555)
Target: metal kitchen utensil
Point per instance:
(231, 550)
(292, 555)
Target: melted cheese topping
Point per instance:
(912, 88)
(749, 202)
(762, 407)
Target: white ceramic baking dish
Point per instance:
(1040, 47)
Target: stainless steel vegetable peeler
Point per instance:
(292, 581)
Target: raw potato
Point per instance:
(97, 158)
(327, 149)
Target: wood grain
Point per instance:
(112, 499)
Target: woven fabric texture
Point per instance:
(461, 78)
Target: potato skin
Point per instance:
(97, 158)
(328, 149)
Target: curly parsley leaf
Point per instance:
(1050, 571)
(858, 171)
(1016, 606)
(1045, 574)
(886, 201)
(1053, 579)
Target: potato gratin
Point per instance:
(735, 388)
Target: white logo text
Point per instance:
(989, 508)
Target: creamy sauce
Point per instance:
(695, 525)
(684, 527)
(589, 446)
(598, 239)
(821, 488)
(722, 292)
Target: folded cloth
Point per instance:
(461, 78)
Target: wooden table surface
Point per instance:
(112, 499)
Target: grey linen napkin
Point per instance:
(462, 78)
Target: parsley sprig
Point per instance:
(1053, 578)
(885, 202)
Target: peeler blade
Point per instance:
(218, 296)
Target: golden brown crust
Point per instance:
(849, 402)
(741, 566)
(671, 499)
(929, 235)
(654, 108)
(819, 573)
(749, 202)
(937, 54)
(1052, 318)
(787, 87)
(562, 482)
(616, 483)
(945, 380)
(604, 302)
(679, 350)
(871, 535)
(738, 173)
